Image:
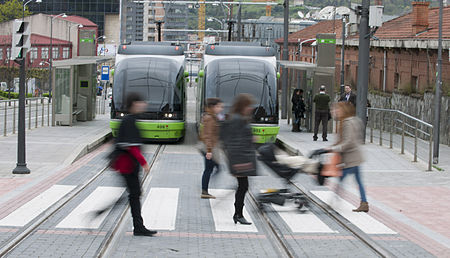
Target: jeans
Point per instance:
(355, 171)
(240, 195)
(134, 193)
(209, 167)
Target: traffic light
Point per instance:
(20, 39)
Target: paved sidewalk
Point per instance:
(400, 192)
(49, 150)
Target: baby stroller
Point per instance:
(287, 167)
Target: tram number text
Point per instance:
(160, 126)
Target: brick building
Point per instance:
(39, 50)
(403, 58)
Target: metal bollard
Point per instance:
(415, 143)
(42, 119)
(37, 109)
(403, 136)
(29, 115)
(392, 133)
(381, 129)
(48, 112)
(14, 117)
(6, 113)
(430, 151)
(371, 125)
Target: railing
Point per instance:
(35, 109)
(399, 126)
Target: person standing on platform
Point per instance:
(349, 142)
(348, 95)
(298, 109)
(209, 135)
(128, 157)
(322, 101)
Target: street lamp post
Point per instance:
(437, 94)
(21, 165)
(63, 15)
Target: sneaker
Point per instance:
(206, 195)
(144, 232)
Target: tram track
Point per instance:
(113, 235)
(24, 233)
(284, 248)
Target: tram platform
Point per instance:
(49, 150)
(401, 192)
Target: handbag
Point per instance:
(333, 166)
(242, 165)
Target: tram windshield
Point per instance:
(158, 81)
(227, 78)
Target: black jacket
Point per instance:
(298, 105)
(236, 135)
(351, 99)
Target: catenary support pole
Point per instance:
(363, 65)
(344, 20)
(285, 57)
(437, 94)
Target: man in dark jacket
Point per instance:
(348, 95)
(322, 101)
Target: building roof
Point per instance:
(401, 27)
(397, 28)
(36, 39)
(328, 26)
(78, 19)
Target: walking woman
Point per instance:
(128, 156)
(209, 135)
(349, 146)
(237, 138)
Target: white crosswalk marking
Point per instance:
(83, 216)
(301, 222)
(36, 206)
(160, 208)
(223, 211)
(360, 219)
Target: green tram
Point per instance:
(155, 70)
(231, 68)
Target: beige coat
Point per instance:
(209, 134)
(350, 145)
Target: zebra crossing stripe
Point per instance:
(360, 219)
(83, 216)
(301, 222)
(30, 210)
(160, 208)
(223, 210)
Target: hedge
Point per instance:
(14, 95)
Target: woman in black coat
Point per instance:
(238, 143)
(298, 108)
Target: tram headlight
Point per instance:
(122, 114)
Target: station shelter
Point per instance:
(310, 76)
(74, 89)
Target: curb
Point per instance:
(288, 148)
(82, 150)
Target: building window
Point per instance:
(55, 54)
(66, 52)
(414, 84)
(33, 53)
(8, 53)
(1, 53)
(44, 53)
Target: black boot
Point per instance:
(315, 137)
(142, 231)
(240, 219)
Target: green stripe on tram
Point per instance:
(154, 130)
(265, 133)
